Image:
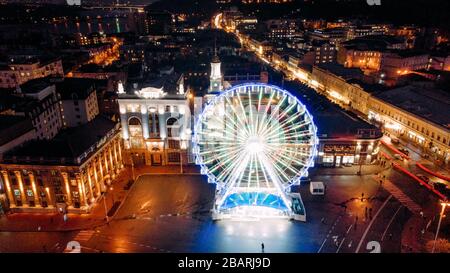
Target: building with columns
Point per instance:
(66, 174)
(156, 119)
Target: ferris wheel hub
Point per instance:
(255, 145)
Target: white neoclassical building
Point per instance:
(156, 120)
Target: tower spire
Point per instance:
(215, 46)
(215, 58)
(215, 80)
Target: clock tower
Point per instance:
(215, 79)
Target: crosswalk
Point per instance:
(84, 235)
(401, 197)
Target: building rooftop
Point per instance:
(373, 42)
(163, 85)
(12, 127)
(41, 59)
(331, 121)
(35, 85)
(67, 147)
(341, 71)
(75, 88)
(370, 88)
(428, 103)
(94, 68)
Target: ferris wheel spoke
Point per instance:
(247, 121)
(284, 163)
(222, 154)
(277, 123)
(291, 129)
(264, 115)
(218, 150)
(285, 160)
(271, 117)
(229, 158)
(291, 135)
(242, 124)
(294, 150)
(233, 166)
(231, 129)
(282, 124)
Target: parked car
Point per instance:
(403, 150)
(423, 178)
(395, 140)
(439, 186)
(317, 188)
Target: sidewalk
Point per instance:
(413, 241)
(47, 222)
(353, 170)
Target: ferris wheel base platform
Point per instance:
(257, 213)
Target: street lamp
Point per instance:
(112, 195)
(443, 204)
(106, 209)
(132, 166)
(181, 161)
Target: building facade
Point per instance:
(79, 103)
(156, 120)
(19, 72)
(420, 115)
(38, 179)
(340, 90)
(42, 104)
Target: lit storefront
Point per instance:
(337, 153)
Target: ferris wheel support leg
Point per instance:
(236, 177)
(276, 182)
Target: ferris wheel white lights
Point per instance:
(254, 141)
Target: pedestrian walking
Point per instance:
(262, 247)
(390, 236)
(362, 197)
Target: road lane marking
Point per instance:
(371, 222)
(342, 242)
(329, 232)
(390, 222)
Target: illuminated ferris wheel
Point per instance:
(254, 141)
